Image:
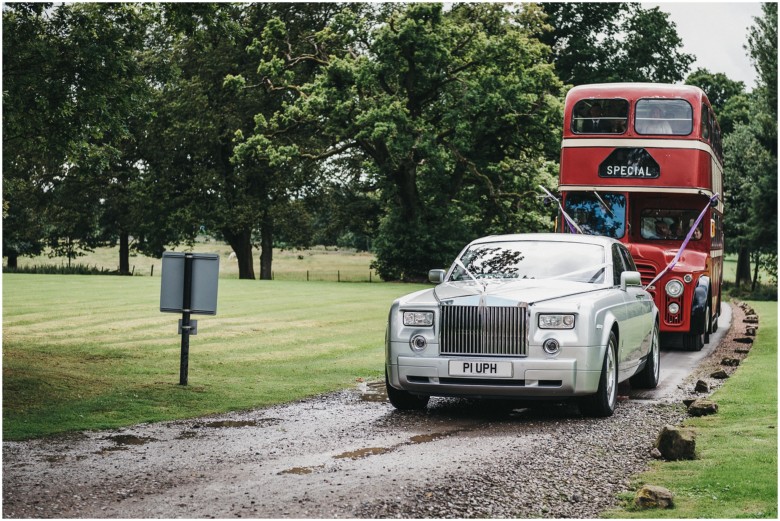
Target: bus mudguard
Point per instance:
(699, 305)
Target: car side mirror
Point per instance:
(437, 276)
(630, 278)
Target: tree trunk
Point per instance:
(13, 259)
(755, 271)
(241, 242)
(266, 246)
(124, 253)
(743, 266)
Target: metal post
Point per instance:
(185, 320)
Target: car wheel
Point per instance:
(650, 374)
(403, 400)
(602, 404)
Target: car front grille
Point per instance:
(484, 330)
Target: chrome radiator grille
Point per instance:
(474, 330)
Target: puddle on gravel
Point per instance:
(363, 453)
(223, 424)
(427, 438)
(299, 471)
(373, 391)
(231, 423)
(123, 441)
(129, 439)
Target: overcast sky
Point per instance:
(716, 33)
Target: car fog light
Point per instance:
(674, 308)
(418, 343)
(551, 346)
(688, 278)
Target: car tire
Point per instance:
(603, 403)
(403, 400)
(651, 372)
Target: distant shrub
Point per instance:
(61, 269)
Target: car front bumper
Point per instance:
(530, 377)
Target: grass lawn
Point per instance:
(90, 352)
(735, 475)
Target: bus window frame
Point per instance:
(655, 100)
(643, 214)
(575, 118)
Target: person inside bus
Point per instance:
(593, 123)
(662, 230)
(654, 124)
(696, 233)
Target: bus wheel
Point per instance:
(707, 325)
(693, 341)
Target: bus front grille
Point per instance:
(648, 272)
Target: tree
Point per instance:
(762, 44)
(751, 158)
(70, 84)
(455, 111)
(614, 42)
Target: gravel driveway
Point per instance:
(345, 455)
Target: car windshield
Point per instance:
(532, 260)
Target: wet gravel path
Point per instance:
(345, 455)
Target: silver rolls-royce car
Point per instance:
(526, 316)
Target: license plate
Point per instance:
(480, 368)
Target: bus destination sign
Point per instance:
(632, 163)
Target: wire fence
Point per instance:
(290, 275)
(327, 276)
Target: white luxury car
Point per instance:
(526, 316)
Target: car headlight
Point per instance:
(556, 321)
(418, 318)
(674, 288)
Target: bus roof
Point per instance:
(633, 91)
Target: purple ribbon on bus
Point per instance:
(671, 265)
(571, 223)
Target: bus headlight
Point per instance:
(674, 288)
(674, 308)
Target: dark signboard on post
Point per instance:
(189, 286)
(205, 275)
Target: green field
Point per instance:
(735, 475)
(89, 352)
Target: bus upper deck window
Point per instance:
(600, 116)
(664, 117)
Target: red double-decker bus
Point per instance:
(643, 163)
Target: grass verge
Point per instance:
(95, 352)
(735, 475)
